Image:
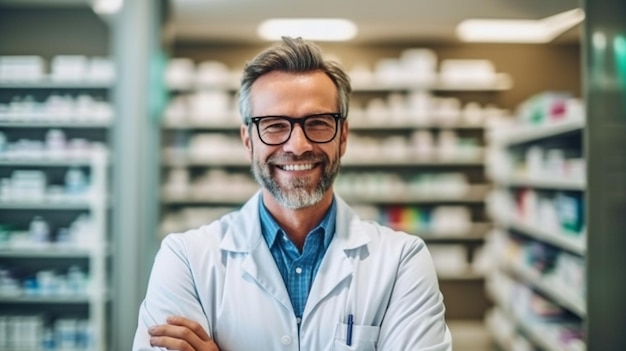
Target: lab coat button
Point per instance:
(286, 340)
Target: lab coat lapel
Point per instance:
(339, 261)
(260, 266)
(244, 237)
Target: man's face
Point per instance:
(298, 173)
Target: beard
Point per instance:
(300, 192)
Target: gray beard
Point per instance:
(296, 194)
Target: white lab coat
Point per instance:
(223, 276)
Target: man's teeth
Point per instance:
(302, 167)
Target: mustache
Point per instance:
(305, 157)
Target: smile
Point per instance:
(298, 167)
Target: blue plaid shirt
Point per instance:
(298, 269)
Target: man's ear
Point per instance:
(343, 140)
(247, 142)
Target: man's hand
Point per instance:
(181, 334)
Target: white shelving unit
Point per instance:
(42, 301)
(523, 233)
(37, 255)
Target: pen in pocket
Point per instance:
(349, 334)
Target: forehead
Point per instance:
(294, 94)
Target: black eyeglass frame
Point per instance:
(292, 120)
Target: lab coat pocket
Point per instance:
(364, 337)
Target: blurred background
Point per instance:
(471, 127)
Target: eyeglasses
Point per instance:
(276, 130)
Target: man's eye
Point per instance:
(276, 126)
(318, 123)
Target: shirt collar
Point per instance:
(270, 228)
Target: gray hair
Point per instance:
(292, 55)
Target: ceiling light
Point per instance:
(106, 7)
(318, 29)
(519, 31)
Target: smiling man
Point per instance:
(295, 268)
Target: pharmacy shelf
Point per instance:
(450, 238)
(542, 183)
(562, 296)
(505, 342)
(476, 233)
(528, 134)
(46, 251)
(535, 333)
(564, 241)
(43, 205)
(235, 200)
(97, 255)
(359, 126)
(21, 299)
(373, 199)
(52, 84)
(65, 124)
(43, 162)
(511, 140)
(409, 199)
(354, 126)
(475, 194)
(500, 82)
(441, 162)
(447, 162)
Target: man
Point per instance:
(295, 268)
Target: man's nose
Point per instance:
(298, 142)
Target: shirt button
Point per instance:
(286, 340)
(298, 320)
(298, 270)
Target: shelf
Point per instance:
(221, 126)
(562, 240)
(43, 162)
(21, 299)
(46, 251)
(522, 135)
(187, 162)
(475, 234)
(354, 127)
(443, 162)
(235, 162)
(502, 341)
(51, 84)
(534, 333)
(557, 294)
(14, 205)
(501, 81)
(474, 195)
(545, 183)
(55, 124)
(208, 200)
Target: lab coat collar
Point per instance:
(244, 229)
